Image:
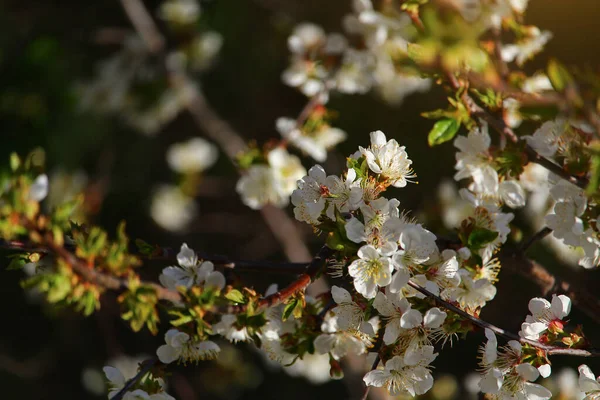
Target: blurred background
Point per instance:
(49, 50)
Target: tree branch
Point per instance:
(168, 254)
(373, 367)
(550, 350)
(501, 127)
(215, 128)
(316, 265)
(542, 233)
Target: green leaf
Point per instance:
(144, 247)
(559, 76)
(236, 296)
(17, 262)
(289, 309)
(479, 237)
(592, 187)
(443, 131)
(15, 161)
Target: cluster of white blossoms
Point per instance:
(322, 62)
(392, 249)
(271, 181)
(314, 138)
(506, 375)
(121, 82)
(172, 208)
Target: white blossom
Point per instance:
(180, 11)
(344, 195)
(39, 188)
(266, 184)
(417, 246)
(194, 155)
(400, 377)
(370, 271)
(171, 209)
(544, 313)
(471, 293)
(381, 225)
(545, 139)
(388, 159)
(315, 143)
(180, 346)
(309, 198)
(505, 375)
(349, 314)
(189, 273)
(526, 48)
(229, 328)
(588, 383)
(391, 307)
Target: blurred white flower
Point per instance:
(180, 11)
(171, 209)
(39, 188)
(194, 155)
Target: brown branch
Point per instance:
(146, 366)
(542, 233)
(555, 168)
(214, 127)
(373, 367)
(506, 131)
(550, 350)
(144, 24)
(169, 254)
(89, 274)
(583, 298)
(298, 285)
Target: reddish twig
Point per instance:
(297, 286)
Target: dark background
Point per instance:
(46, 47)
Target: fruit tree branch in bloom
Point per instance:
(550, 350)
(505, 131)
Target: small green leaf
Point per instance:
(236, 296)
(592, 187)
(15, 161)
(289, 309)
(17, 262)
(559, 76)
(479, 237)
(443, 131)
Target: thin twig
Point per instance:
(146, 366)
(539, 235)
(144, 24)
(215, 128)
(555, 168)
(168, 254)
(298, 285)
(373, 367)
(506, 131)
(550, 350)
